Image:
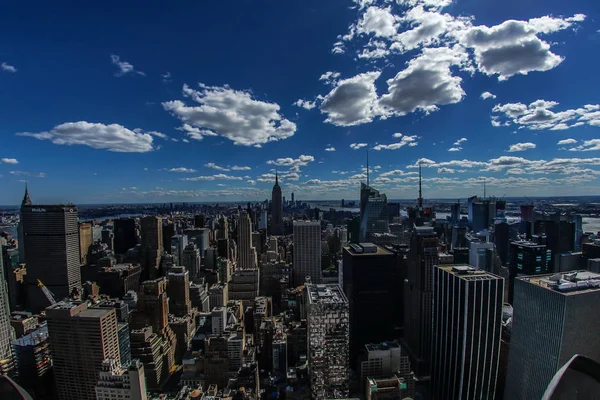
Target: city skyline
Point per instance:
(202, 102)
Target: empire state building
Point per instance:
(276, 208)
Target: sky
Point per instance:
(126, 102)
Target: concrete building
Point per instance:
(116, 280)
(244, 241)
(217, 295)
(34, 362)
(151, 246)
(125, 234)
(328, 328)
(80, 339)
(467, 326)
(178, 290)
(555, 317)
(370, 281)
(423, 256)
(178, 245)
(155, 352)
(85, 241)
(192, 260)
(6, 331)
(116, 382)
(276, 208)
(307, 252)
(51, 238)
(244, 285)
(383, 360)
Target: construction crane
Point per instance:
(47, 292)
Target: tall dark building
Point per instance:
(467, 325)
(527, 258)
(418, 294)
(373, 212)
(393, 211)
(276, 208)
(199, 221)
(125, 235)
(152, 246)
(370, 288)
(51, 236)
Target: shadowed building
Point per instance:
(276, 208)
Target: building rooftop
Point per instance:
(529, 244)
(468, 272)
(321, 294)
(568, 283)
(366, 250)
(382, 346)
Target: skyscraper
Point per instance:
(328, 341)
(125, 235)
(276, 208)
(152, 246)
(244, 240)
(373, 212)
(191, 261)
(6, 333)
(467, 325)
(422, 258)
(554, 318)
(85, 241)
(178, 290)
(369, 285)
(51, 235)
(307, 252)
(80, 339)
(124, 383)
(527, 258)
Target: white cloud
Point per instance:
(374, 49)
(111, 137)
(240, 168)
(378, 21)
(166, 77)
(356, 146)
(307, 105)
(8, 68)
(153, 133)
(30, 174)
(406, 140)
(9, 161)
(445, 170)
(183, 170)
(588, 145)
(331, 148)
(397, 172)
(215, 166)
(566, 142)
(301, 161)
(426, 82)
(330, 77)
(521, 147)
(539, 115)
(124, 67)
(455, 149)
(213, 178)
(487, 95)
(352, 101)
(233, 114)
(460, 141)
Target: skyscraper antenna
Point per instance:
(420, 201)
(276, 177)
(367, 167)
(484, 188)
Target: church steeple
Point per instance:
(26, 199)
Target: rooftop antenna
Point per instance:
(420, 193)
(276, 177)
(484, 188)
(367, 167)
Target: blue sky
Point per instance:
(200, 101)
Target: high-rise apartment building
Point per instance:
(554, 318)
(85, 241)
(467, 325)
(423, 256)
(307, 252)
(125, 235)
(178, 290)
(122, 383)
(373, 213)
(276, 208)
(80, 339)
(328, 341)
(151, 246)
(370, 283)
(6, 331)
(51, 237)
(244, 240)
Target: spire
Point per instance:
(484, 188)
(420, 201)
(276, 177)
(367, 167)
(26, 199)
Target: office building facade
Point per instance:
(125, 235)
(373, 213)
(244, 240)
(554, 318)
(467, 325)
(81, 338)
(307, 252)
(328, 327)
(6, 332)
(151, 246)
(51, 237)
(116, 382)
